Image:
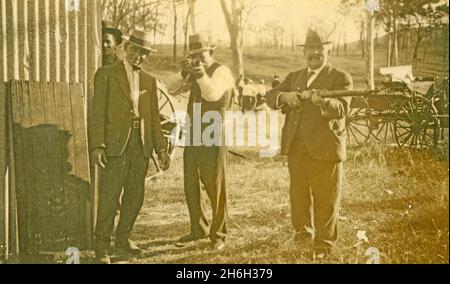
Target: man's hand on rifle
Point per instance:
(317, 100)
(289, 99)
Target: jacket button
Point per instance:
(131, 111)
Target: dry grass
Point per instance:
(399, 198)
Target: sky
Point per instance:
(294, 14)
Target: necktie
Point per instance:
(136, 68)
(308, 78)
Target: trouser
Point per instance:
(125, 172)
(315, 195)
(248, 103)
(206, 165)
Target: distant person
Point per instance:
(124, 130)
(314, 141)
(275, 81)
(111, 39)
(248, 95)
(260, 93)
(240, 87)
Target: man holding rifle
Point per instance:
(314, 140)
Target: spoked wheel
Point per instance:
(415, 125)
(169, 126)
(382, 126)
(357, 126)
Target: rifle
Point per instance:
(306, 95)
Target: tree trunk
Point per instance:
(389, 54)
(338, 43)
(192, 16)
(175, 20)
(236, 37)
(389, 44)
(370, 49)
(186, 31)
(345, 42)
(361, 40)
(416, 47)
(237, 60)
(395, 43)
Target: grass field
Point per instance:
(398, 197)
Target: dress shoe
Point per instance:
(101, 256)
(218, 245)
(105, 259)
(321, 253)
(127, 247)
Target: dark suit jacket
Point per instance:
(111, 117)
(322, 131)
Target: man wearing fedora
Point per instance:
(212, 87)
(124, 130)
(314, 140)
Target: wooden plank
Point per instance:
(54, 41)
(25, 68)
(20, 38)
(28, 190)
(55, 162)
(33, 28)
(10, 40)
(37, 134)
(64, 42)
(3, 43)
(68, 155)
(3, 168)
(12, 186)
(94, 36)
(81, 163)
(58, 141)
(15, 40)
(18, 152)
(83, 45)
(44, 39)
(74, 46)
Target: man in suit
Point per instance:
(124, 131)
(314, 140)
(211, 89)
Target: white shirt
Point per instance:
(313, 77)
(214, 87)
(133, 80)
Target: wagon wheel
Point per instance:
(357, 126)
(168, 124)
(382, 126)
(415, 125)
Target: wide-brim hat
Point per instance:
(108, 28)
(141, 39)
(199, 43)
(316, 36)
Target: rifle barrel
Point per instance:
(347, 93)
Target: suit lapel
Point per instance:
(122, 79)
(300, 83)
(318, 82)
